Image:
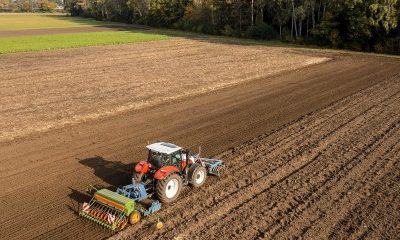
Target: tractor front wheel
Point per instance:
(169, 188)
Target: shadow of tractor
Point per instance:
(77, 198)
(114, 173)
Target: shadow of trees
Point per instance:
(118, 26)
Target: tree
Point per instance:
(294, 23)
(355, 24)
(383, 14)
(140, 7)
(46, 5)
(24, 5)
(280, 12)
(300, 12)
(4, 4)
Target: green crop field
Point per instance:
(59, 40)
(21, 21)
(71, 40)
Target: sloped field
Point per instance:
(331, 174)
(42, 91)
(325, 166)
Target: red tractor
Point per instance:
(168, 168)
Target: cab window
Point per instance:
(156, 159)
(176, 158)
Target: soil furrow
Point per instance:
(263, 197)
(294, 141)
(239, 173)
(344, 185)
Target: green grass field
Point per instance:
(21, 21)
(25, 21)
(73, 40)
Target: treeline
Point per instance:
(363, 25)
(29, 5)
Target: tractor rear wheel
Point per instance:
(197, 175)
(169, 188)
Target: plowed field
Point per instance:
(311, 152)
(76, 85)
(331, 174)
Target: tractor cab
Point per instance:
(163, 154)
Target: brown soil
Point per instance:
(331, 174)
(47, 31)
(41, 91)
(327, 165)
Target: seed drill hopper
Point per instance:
(114, 211)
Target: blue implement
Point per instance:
(136, 191)
(154, 207)
(213, 166)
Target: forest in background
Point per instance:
(361, 25)
(31, 5)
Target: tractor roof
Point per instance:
(163, 147)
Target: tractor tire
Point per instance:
(169, 188)
(197, 175)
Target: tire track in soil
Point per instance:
(320, 212)
(174, 209)
(369, 219)
(348, 200)
(353, 139)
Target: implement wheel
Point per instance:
(159, 225)
(135, 217)
(197, 175)
(169, 188)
